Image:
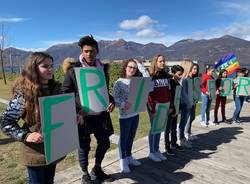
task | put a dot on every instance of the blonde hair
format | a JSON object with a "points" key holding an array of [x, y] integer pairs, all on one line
{"points": [[187, 64], [67, 64], [153, 67]]}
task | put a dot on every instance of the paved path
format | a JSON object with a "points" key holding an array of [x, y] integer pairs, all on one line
{"points": [[4, 101], [220, 156]]}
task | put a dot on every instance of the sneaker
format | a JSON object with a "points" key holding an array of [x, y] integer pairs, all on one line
{"points": [[191, 137], [203, 124], [152, 156], [86, 179], [124, 166], [194, 137], [210, 123], [177, 147], [97, 174], [224, 120], [186, 144], [160, 155], [187, 136], [236, 122], [133, 161], [169, 151]]}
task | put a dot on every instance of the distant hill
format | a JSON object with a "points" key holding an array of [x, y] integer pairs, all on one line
{"points": [[206, 51]]}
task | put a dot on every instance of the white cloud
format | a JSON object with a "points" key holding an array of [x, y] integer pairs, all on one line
{"points": [[237, 6], [29, 49], [149, 33], [13, 19], [140, 23], [241, 30]]}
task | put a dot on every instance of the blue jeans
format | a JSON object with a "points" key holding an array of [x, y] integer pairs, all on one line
{"points": [[128, 129], [239, 100], [153, 139], [190, 120], [205, 108], [185, 113], [41, 174]]}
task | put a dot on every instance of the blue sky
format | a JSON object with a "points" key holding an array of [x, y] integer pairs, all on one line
{"points": [[34, 24]]}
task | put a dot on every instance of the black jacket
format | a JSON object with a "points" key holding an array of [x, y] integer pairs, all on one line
{"points": [[70, 85]]}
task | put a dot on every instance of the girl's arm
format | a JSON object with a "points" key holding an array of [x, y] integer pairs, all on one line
{"points": [[118, 94], [9, 120]]}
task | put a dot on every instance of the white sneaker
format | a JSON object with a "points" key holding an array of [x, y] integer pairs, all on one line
{"points": [[188, 137], [203, 124], [210, 123], [152, 156], [186, 144], [160, 155], [124, 166], [132, 161]]}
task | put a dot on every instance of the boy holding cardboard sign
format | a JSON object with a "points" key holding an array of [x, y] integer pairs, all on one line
{"points": [[88, 83]]}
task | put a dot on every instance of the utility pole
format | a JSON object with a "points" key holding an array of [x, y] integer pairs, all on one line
{"points": [[1, 55]]}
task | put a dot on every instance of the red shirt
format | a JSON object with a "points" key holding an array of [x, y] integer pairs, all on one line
{"points": [[204, 83]]}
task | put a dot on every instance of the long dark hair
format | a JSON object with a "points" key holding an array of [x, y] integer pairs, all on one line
{"points": [[29, 85], [198, 69], [221, 72]]}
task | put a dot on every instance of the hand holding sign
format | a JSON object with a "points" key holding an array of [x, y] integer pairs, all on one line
{"points": [[34, 137]]}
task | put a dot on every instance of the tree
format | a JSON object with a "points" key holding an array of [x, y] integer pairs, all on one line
{"points": [[1, 54], [114, 73]]}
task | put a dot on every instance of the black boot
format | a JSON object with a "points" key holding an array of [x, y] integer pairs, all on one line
{"points": [[97, 175], [86, 179]]}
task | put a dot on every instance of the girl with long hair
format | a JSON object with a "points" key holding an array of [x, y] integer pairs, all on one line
{"points": [[36, 80], [128, 121], [161, 94], [220, 100]]}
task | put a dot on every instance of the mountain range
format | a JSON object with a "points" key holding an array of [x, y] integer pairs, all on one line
{"points": [[205, 51]]}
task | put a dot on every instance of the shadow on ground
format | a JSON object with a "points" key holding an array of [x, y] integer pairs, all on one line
{"points": [[167, 171]]}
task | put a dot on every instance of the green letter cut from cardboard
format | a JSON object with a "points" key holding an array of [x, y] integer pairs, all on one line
{"points": [[138, 93], [161, 118], [243, 88], [92, 89], [58, 119], [227, 85]]}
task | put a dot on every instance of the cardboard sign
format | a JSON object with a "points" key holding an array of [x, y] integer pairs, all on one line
{"points": [[197, 88], [227, 86], [138, 93], [177, 99], [190, 90], [59, 127], [92, 88], [212, 88], [161, 118], [243, 88]]}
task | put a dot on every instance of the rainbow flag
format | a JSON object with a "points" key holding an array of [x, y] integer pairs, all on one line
{"points": [[228, 62]]}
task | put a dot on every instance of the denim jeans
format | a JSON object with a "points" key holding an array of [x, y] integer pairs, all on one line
{"points": [[41, 174], [153, 139], [239, 100], [205, 108], [185, 113], [128, 129], [190, 120]]}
